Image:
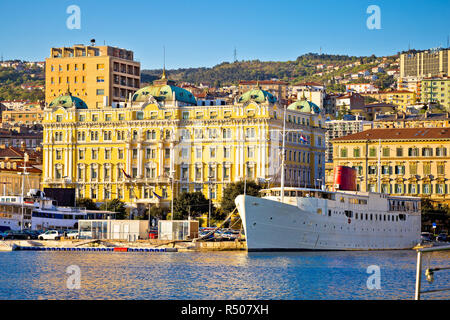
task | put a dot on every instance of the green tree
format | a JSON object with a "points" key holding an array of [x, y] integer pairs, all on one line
{"points": [[233, 190], [86, 203], [195, 202], [116, 206]]}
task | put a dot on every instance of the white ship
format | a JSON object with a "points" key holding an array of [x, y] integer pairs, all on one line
{"points": [[310, 219], [37, 212], [314, 219]]}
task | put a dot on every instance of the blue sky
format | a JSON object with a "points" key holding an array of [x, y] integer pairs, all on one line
{"points": [[205, 33]]}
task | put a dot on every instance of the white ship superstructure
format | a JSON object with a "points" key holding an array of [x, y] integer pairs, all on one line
{"points": [[310, 219]]}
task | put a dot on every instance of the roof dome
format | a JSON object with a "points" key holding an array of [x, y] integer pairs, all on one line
{"points": [[257, 95], [164, 92], [68, 101], [304, 106]]}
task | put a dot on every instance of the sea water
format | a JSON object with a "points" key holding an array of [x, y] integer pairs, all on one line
{"points": [[235, 275]]}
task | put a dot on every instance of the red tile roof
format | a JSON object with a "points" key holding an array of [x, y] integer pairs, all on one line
{"points": [[398, 134]]}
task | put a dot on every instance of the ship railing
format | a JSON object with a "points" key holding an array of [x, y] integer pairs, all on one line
{"points": [[429, 273]]}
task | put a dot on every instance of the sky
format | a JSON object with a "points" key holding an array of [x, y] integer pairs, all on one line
{"points": [[201, 33]]}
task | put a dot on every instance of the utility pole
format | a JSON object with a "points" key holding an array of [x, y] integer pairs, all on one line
{"points": [[25, 157], [209, 211]]}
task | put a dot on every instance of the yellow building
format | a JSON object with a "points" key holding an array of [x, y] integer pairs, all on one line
{"points": [[23, 117], [100, 75], [413, 161], [133, 153], [436, 90], [399, 98]]}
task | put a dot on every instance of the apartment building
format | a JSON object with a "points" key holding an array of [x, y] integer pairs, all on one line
{"points": [[100, 75], [399, 161]]}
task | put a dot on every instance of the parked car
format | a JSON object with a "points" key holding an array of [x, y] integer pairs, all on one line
{"points": [[4, 234], [71, 234], [426, 236], [50, 235], [16, 235], [442, 237], [34, 234]]}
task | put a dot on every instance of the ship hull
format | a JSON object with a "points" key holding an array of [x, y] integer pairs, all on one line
{"points": [[274, 226]]}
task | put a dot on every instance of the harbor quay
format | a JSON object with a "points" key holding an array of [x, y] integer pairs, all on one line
{"points": [[151, 245]]}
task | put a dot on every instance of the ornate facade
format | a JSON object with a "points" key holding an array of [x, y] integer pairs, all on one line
{"points": [[162, 138]]}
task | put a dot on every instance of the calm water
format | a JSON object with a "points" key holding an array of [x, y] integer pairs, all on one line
{"points": [[215, 275]]}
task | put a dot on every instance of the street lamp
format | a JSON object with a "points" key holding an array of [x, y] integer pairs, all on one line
{"points": [[320, 182], [209, 188]]}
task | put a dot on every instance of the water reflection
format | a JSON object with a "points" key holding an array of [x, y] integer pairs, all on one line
{"points": [[214, 275]]}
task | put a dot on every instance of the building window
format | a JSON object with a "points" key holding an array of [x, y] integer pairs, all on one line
{"points": [[413, 152], [198, 152], [93, 173], [386, 152], [399, 152], [427, 152], [107, 154], [440, 152], [212, 152], [94, 154], [100, 92], [167, 153], [226, 152], [399, 169], [343, 152], [226, 173], [356, 153]]}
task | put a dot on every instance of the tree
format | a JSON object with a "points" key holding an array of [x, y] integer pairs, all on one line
{"points": [[195, 202], [233, 190], [116, 206], [86, 203]]}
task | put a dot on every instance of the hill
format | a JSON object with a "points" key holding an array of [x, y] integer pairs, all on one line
{"points": [[12, 80], [304, 68]]}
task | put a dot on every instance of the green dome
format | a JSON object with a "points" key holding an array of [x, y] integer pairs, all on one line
{"points": [[67, 101], [164, 93], [304, 106], [257, 95]]}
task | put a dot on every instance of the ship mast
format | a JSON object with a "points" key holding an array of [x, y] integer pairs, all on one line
{"points": [[283, 151], [379, 166]]}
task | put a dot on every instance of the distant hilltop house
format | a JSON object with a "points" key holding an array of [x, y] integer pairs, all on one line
{"points": [[361, 87], [31, 87]]}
